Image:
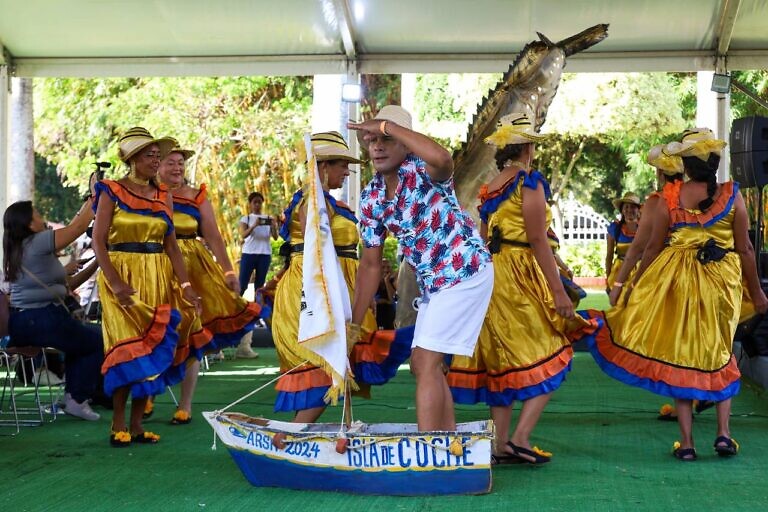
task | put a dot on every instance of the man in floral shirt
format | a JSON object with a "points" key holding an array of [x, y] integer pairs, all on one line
{"points": [[412, 197]]}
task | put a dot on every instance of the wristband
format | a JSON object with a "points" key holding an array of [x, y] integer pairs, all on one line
{"points": [[618, 284], [185, 284], [229, 273], [383, 127]]}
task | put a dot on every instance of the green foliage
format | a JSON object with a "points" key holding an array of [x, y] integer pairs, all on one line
{"points": [[445, 104], [243, 131], [585, 260], [741, 104], [54, 201]]}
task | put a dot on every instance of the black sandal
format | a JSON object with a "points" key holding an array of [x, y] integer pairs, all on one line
{"points": [[684, 454], [537, 456], [729, 449], [507, 458]]}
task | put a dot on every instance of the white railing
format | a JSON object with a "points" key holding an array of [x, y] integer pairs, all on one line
{"points": [[581, 224]]}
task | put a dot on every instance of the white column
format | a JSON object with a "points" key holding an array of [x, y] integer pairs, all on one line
{"points": [[4, 84], [3, 143], [330, 113], [713, 111], [408, 97]]}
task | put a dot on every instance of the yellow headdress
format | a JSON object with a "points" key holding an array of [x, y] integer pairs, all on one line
{"points": [[699, 142], [666, 163], [515, 128]]}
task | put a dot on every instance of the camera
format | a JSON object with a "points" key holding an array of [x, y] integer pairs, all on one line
{"points": [[264, 221]]}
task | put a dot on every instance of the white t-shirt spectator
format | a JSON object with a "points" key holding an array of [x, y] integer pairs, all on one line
{"points": [[257, 242]]}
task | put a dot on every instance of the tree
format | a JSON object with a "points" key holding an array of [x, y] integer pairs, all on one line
{"points": [[243, 130]]}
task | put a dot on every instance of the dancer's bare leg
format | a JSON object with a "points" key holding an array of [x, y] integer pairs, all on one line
{"points": [[502, 417], [685, 422], [188, 386], [434, 403]]}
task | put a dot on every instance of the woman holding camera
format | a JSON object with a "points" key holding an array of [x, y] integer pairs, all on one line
{"points": [[256, 229], [38, 286]]}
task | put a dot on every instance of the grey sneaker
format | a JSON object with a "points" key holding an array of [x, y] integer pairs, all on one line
{"points": [[246, 353], [81, 410]]}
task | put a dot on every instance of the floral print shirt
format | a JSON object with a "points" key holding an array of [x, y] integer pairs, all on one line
{"points": [[437, 237]]}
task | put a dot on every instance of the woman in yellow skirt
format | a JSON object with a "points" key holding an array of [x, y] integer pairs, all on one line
{"points": [[620, 236], [674, 335], [669, 170], [136, 249], [376, 357], [524, 349], [226, 317]]}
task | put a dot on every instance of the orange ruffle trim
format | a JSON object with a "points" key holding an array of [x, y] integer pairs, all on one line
{"points": [[677, 376], [302, 379], [197, 340], [513, 377], [679, 215], [202, 193], [140, 346], [236, 322], [136, 202], [375, 348]]}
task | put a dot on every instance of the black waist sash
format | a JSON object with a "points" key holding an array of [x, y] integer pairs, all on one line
{"points": [[342, 251], [141, 247], [494, 244], [710, 251], [179, 236]]}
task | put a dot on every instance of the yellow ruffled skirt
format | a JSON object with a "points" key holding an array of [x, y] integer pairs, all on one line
{"points": [[675, 333], [524, 348]]}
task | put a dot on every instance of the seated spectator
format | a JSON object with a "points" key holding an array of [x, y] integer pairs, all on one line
{"points": [[386, 296], [38, 288]]}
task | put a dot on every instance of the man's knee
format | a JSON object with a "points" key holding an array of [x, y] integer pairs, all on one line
{"points": [[426, 362]]}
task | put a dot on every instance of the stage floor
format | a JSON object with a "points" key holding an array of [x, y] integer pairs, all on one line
{"points": [[610, 453]]}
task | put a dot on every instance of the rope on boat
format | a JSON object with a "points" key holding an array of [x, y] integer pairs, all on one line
{"points": [[219, 411]]}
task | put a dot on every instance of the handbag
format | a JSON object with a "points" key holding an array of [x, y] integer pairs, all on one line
{"points": [[69, 303]]}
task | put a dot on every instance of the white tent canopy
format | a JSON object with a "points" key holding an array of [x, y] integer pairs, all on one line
{"points": [[304, 37]]}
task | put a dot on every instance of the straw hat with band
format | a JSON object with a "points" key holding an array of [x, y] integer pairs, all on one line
{"points": [[392, 113], [629, 197], [699, 142], [136, 139], [186, 153], [514, 128], [666, 163], [332, 146]]}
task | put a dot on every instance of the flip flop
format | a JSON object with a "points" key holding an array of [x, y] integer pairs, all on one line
{"points": [[120, 439], [181, 417], [145, 438]]}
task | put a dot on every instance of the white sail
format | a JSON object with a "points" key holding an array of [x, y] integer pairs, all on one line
{"points": [[325, 306]]}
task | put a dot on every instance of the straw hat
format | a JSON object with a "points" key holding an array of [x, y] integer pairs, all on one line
{"points": [[392, 113], [186, 153], [666, 163], [699, 142], [514, 128], [332, 146], [136, 139], [629, 197]]}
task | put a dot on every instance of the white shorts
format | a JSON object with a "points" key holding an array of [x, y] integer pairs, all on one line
{"points": [[449, 321]]}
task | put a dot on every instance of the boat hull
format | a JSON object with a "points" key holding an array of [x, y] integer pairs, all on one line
{"points": [[382, 459]]}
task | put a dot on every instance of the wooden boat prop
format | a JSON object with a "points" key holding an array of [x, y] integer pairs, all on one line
{"points": [[354, 457], [380, 458]]}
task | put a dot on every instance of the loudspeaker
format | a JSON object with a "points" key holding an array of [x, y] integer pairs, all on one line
{"points": [[749, 134], [750, 169]]}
